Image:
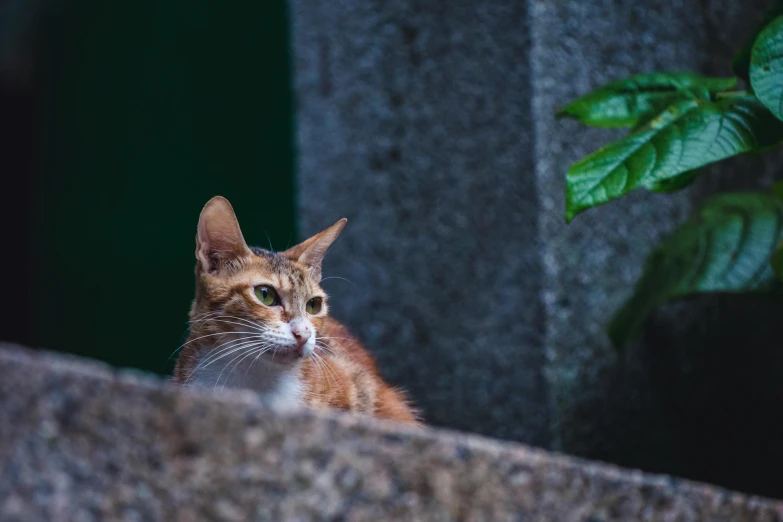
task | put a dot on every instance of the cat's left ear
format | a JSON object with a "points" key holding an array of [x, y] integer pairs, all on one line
{"points": [[311, 252]]}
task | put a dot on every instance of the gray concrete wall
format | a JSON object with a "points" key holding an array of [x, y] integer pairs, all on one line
{"points": [[414, 122], [590, 266], [706, 374], [80, 442], [430, 126]]}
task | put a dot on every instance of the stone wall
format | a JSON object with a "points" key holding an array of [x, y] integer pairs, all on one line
{"points": [[430, 126], [79, 441], [414, 122], [706, 376]]}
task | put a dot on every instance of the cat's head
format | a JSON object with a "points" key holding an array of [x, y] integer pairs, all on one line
{"points": [[270, 301]]}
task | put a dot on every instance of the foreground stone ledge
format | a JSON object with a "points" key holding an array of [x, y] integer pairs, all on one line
{"points": [[80, 441]]}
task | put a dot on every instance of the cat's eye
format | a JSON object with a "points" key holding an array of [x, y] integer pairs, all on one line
{"points": [[267, 295], [313, 306]]}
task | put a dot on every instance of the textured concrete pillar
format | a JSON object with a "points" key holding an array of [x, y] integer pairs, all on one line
{"points": [[706, 374], [414, 122], [430, 125], [591, 265]]}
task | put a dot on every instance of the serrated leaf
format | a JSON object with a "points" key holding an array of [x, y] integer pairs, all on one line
{"points": [[741, 62], [766, 67], [622, 103], [674, 184], [688, 135], [725, 247]]}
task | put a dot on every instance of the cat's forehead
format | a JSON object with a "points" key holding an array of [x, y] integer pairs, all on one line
{"points": [[282, 270]]}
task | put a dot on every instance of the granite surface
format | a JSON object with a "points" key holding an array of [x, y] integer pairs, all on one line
{"points": [[706, 374], [430, 125], [413, 121], [591, 264], [81, 442]]}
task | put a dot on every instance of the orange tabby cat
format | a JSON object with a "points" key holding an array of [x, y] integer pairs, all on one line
{"points": [[260, 321]]}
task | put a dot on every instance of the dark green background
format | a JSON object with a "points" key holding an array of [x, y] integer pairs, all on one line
{"points": [[150, 108]]}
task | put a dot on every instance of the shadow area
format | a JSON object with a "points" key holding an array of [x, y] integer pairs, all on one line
{"points": [[698, 397]]}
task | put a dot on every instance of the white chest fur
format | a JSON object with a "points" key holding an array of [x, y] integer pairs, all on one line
{"points": [[279, 386]]}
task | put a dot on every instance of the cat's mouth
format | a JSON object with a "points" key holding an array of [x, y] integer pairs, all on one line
{"points": [[285, 354]]}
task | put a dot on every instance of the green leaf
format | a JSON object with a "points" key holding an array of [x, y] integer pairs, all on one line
{"points": [[645, 119], [766, 67], [777, 189], [725, 247], [686, 136], [741, 62], [674, 184], [622, 103]]}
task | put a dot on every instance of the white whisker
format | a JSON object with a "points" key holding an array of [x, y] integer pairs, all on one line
{"points": [[340, 338], [250, 351], [328, 350], [204, 336], [329, 369], [269, 240], [338, 277], [223, 319], [318, 364], [230, 347]]}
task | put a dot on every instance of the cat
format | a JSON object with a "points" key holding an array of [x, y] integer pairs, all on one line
{"points": [[260, 321]]}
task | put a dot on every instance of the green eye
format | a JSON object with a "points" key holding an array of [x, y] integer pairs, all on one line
{"points": [[313, 306], [267, 295]]}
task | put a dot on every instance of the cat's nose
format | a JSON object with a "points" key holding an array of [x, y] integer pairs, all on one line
{"points": [[301, 330]]}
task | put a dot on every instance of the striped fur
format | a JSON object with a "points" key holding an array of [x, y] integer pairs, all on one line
{"points": [[236, 341]]}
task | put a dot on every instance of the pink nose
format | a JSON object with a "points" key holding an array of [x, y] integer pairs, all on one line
{"points": [[301, 331]]}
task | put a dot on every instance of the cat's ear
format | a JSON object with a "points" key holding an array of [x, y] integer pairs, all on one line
{"points": [[311, 251], [219, 241]]}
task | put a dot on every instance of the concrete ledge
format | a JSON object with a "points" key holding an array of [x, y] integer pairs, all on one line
{"points": [[79, 441]]}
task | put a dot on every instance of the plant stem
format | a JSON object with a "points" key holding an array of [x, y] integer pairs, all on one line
{"points": [[731, 94]]}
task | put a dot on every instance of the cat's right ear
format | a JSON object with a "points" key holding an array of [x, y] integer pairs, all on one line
{"points": [[219, 241]]}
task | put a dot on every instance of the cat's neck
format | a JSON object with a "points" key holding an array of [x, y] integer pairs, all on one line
{"points": [[278, 385]]}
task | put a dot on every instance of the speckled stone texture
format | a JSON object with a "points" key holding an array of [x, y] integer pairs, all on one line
{"points": [[414, 122], [79, 442], [430, 125], [695, 397]]}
